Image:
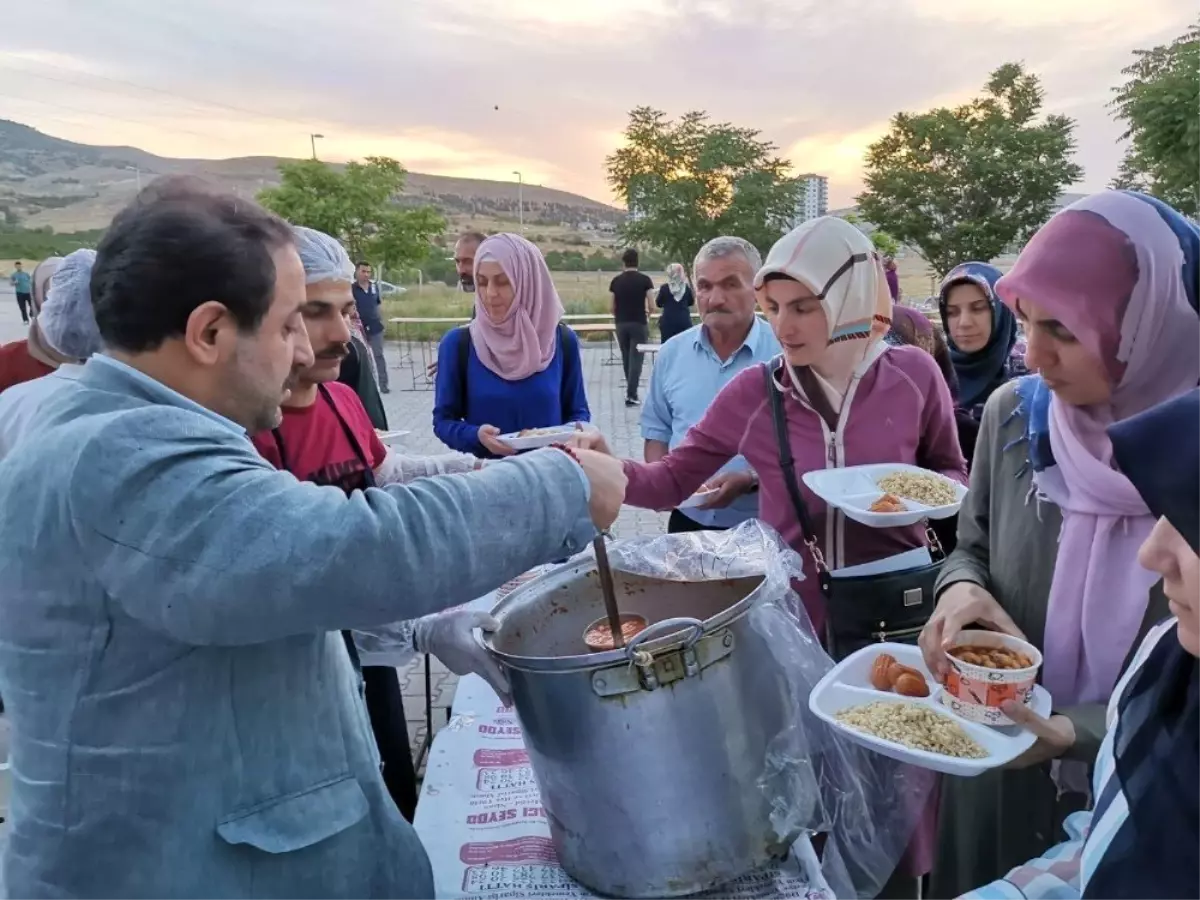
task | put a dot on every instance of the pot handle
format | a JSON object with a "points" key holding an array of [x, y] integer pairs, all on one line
{"points": [[665, 627]]}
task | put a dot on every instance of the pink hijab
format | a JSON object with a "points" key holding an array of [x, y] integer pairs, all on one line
{"points": [[524, 342], [1110, 268]]}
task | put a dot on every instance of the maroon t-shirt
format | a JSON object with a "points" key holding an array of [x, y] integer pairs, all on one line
{"points": [[17, 366], [315, 444]]}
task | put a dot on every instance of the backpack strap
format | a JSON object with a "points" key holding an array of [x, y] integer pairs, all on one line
{"points": [[564, 337], [464, 363]]}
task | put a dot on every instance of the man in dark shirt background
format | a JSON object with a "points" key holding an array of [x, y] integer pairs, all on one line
{"points": [[366, 298], [632, 299]]}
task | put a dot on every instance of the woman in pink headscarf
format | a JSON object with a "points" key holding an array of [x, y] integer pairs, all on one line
{"points": [[1049, 533], [516, 366]]}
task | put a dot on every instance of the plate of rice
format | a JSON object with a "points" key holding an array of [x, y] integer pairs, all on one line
{"points": [[534, 438], [391, 437], [887, 495], [913, 729]]}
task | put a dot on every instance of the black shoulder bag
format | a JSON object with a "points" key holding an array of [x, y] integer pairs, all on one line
{"points": [[862, 609]]}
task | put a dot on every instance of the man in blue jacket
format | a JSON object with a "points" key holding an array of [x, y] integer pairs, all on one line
{"points": [[366, 298], [186, 720]]}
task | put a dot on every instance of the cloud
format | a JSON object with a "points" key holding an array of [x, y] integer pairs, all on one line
{"points": [[543, 87]]}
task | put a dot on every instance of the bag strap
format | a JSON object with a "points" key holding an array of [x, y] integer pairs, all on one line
{"points": [[564, 333], [566, 361], [787, 463], [464, 363]]}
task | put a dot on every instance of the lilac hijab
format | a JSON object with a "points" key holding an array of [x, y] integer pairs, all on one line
{"points": [[1112, 270], [524, 342]]}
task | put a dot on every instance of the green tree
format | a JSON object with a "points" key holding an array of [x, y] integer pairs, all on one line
{"points": [[969, 182], [884, 242], [1160, 106], [358, 206], [687, 181]]}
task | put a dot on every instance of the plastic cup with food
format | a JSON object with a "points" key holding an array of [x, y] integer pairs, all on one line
{"points": [[988, 668]]}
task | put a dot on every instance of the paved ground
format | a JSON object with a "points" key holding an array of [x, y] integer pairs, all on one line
{"points": [[412, 410]]}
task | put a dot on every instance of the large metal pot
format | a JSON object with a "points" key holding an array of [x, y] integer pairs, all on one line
{"points": [[647, 758]]}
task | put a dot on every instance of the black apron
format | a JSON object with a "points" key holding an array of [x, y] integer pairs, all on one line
{"points": [[380, 684]]}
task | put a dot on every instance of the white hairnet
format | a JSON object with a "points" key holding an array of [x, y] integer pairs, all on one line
{"points": [[324, 258], [67, 320]]}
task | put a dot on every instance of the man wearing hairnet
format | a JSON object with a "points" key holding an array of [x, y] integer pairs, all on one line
{"points": [[66, 328], [326, 437]]}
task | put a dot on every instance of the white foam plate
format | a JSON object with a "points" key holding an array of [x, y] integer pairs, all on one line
{"points": [[391, 437], [697, 498], [849, 684], [854, 488], [543, 437]]}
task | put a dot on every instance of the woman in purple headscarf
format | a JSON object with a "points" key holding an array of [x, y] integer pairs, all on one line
{"points": [[516, 366], [1049, 533]]}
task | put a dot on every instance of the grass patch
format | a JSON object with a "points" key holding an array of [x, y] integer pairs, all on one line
{"points": [[582, 293]]}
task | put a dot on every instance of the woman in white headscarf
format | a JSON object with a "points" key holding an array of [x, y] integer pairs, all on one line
{"points": [[675, 299], [848, 398], [65, 332], [42, 273]]}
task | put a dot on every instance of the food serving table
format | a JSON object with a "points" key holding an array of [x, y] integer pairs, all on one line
{"points": [[481, 819]]}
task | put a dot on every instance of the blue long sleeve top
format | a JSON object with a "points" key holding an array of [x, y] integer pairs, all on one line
{"points": [[554, 396]]}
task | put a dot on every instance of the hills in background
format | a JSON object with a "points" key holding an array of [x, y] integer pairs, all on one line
{"points": [[46, 181], [49, 182]]}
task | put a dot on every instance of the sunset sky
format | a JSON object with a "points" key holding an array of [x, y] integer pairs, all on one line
{"points": [[420, 80]]}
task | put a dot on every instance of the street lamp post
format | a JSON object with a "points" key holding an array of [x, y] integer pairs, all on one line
{"points": [[313, 140], [520, 200]]}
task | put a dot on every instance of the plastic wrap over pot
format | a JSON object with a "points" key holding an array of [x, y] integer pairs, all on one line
{"points": [[866, 806]]}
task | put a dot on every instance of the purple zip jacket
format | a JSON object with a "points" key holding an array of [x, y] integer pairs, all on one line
{"points": [[897, 410]]}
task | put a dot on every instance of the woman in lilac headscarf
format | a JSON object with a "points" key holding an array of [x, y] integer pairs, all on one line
{"points": [[1049, 533], [516, 366]]}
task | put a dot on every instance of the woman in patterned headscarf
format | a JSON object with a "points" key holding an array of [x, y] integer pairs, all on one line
{"points": [[675, 299], [1049, 533], [32, 357]]}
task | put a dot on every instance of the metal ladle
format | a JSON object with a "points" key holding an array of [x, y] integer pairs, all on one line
{"points": [[604, 570]]}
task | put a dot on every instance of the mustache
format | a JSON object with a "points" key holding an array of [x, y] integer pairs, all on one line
{"points": [[334, 351]]}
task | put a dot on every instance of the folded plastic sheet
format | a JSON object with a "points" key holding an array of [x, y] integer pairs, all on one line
{"points": [[864, 807]]}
